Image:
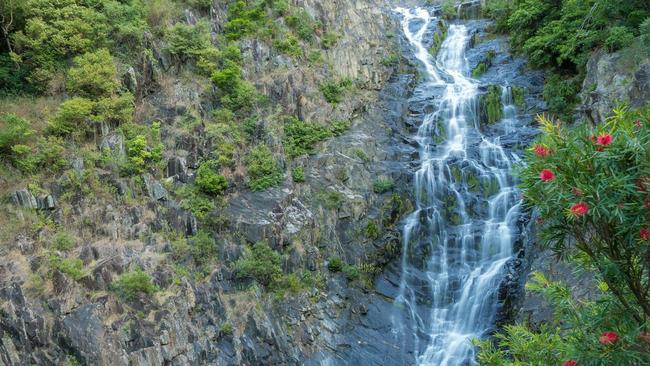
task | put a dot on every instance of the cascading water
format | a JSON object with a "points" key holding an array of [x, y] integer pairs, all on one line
{"points": [[459, 237]]}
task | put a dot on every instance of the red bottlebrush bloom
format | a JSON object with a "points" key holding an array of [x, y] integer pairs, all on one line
{"points": [[579, 209], [644, 233], [546, 175], [576, 192], [608, 338], [604, 139], [541, 151], [570, 362], [644, 337], [539, 221], [638, 123], [646, 204]]}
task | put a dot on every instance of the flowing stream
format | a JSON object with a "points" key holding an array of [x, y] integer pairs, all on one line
{"points": [[461, 234]]}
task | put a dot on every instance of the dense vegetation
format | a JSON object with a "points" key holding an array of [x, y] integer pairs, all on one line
{"points": [[590, 186], [560, 34]]}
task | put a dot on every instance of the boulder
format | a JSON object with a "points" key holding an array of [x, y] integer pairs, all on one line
{"points": [[24, 198]]}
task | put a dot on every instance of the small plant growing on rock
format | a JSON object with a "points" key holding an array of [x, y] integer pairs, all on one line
{"points": [[383, 185], [371, 230], [260, 263], [263, 169], [208, 181], [298, 175], [134, 283], [334, 90], [335, 264]]}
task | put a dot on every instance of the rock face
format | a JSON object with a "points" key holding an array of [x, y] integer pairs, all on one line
{"points": [[613, 78]]}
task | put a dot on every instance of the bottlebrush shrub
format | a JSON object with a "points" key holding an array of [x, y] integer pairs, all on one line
{"points": [[597, 332], [597, 205]]}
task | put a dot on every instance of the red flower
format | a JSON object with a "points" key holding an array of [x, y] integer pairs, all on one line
{"points": [[644, 337], [539, 221], [541, 151], [570, 362], [608, 338], [638, 123], [644, 233], [577, 191], [579, 209], [604, 139], [546, 175]]}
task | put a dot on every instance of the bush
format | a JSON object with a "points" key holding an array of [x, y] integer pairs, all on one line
{"points": [[260, 263], [335, 264], [13, 131], [590, 186], [134, 283], [302, 23], [644, 32], [47, 155], [618, 38], [352, 273], [449, 9], [371, 230], [491, 105], [228, 78], [334, 90], [288, 44], [561, 95], [383, 185], [298, 175], [72, 267], [188, 42], [74, 116], [144, 150], [203, 248], [263, 170], [63, 241], [209, 181], [301, 136], [339, 127], [330, 199], [329, 40], [93, 75]]}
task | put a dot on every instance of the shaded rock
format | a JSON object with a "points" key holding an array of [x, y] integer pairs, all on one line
{"points": [[177, 169], [114, 143], [24, 198], [46, 202], [153, 188]]}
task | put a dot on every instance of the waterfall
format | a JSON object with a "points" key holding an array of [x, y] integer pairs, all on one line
{"points": [[459, 237]]}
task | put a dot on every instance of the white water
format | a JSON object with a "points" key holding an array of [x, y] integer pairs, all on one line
{"points": [[459, 237]]}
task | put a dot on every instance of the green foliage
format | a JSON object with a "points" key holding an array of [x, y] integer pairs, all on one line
{"points": [[438, 38], [207, 179], [13, 131], [228, 78], [134, 283], [93, 75], [288, 44], [561, 95], [339, 127], [46, 155], [260, 263], [491, 105], [263, 170], [329, 40], [619, 37], [518, 96], [298, 175], [383, 185], [449, 9], [74, 116], [610, 182], [187, 41], [302, 23], [334, 90], [560, 34], [352, 273], [335, 264], [644, 32], [301, 136], [245, 19], [391, 60], [63, 241], [72, 267], [144, 149], [371, 230], [203, 248], [574, 335]]}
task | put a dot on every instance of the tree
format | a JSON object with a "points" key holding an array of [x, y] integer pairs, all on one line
{"points": [[93, 75]]}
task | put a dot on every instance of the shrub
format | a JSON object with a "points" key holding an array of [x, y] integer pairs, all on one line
{"points": [[72, 267], [329, 40], [339, 127], [644, 32], [618, 38], [188, 42], [74, 115], [302, 23], [144, 150], [203, 248], [449, 9], [335, 264], [47, 155], [63, 241], [242, 98], [209, 181], [281, 7], [289, 45], [594, 206], [560, 95], [93, 75], [301, 136], [260, 263], [262, 169], [383, 185], [298, 175], [134, 283], [228, 78], [371, 230], [352, 273], [13, 131], [334, 90]]}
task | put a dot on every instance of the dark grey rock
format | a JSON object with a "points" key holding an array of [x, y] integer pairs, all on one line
{"points": [[24, 198]]}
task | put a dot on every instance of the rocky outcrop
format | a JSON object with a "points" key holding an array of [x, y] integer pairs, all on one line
{"points": [[614, 78]]}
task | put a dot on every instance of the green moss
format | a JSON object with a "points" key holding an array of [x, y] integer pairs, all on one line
{"points": [[491, 105]]}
